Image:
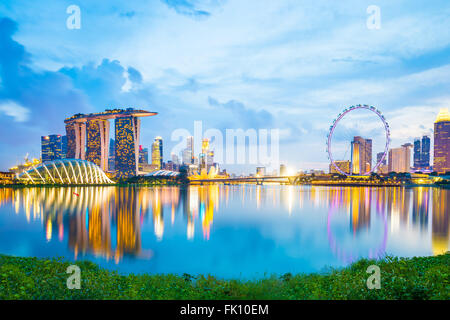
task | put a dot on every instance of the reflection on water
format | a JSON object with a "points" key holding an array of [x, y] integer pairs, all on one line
{"points": [[256, 228]]}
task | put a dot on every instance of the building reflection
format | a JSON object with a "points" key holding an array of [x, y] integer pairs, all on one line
{"points": [[107, 221]]}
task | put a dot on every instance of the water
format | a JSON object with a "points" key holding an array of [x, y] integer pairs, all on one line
{"points": [[242, 231]]}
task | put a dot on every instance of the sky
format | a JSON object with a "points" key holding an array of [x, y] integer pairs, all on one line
{"points": [[291, 66]]}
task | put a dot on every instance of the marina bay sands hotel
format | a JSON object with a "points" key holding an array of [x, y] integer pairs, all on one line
{"points": [[88, 138]]}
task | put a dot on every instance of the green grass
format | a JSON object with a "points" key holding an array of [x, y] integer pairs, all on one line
{"points": [[415, 278]]}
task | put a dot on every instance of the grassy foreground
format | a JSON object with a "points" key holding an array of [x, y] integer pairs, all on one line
{"points": [[415, 278]]}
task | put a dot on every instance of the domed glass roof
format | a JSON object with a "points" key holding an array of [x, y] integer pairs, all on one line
{"points": [[66, 171]]}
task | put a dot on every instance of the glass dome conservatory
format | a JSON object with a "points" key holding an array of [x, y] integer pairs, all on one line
{"points": [[66, 171]]}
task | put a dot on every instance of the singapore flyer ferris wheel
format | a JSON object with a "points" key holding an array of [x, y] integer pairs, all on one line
{"points": [[333, 127]]}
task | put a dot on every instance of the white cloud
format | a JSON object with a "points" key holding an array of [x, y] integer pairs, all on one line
{"points": [[12, 109]]}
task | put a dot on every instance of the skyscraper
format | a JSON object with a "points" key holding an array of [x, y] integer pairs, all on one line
{"points": [[97, 143], [425, 152], [417, 154], [143, 155], [400, 159], [422, 153], [127, 146], [188, 152], [157, 153], [380, 156], [361, 155], [112, 155], [63, 146], [51, 147], [442, 142], [76, 139]]}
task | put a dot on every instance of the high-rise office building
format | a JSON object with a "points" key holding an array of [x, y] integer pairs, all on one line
{"points": [[97, 142], [422, 153], [188, 152], [175, 159], [417, 154], [210, 159], [442, 142], [425, 152], [143, 155], [157, 153], [51, 147], [63, 147], [361, 155], [190, 147], [400, 159]]}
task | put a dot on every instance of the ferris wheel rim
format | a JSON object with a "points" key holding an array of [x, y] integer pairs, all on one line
{"points": [[339, 118]]}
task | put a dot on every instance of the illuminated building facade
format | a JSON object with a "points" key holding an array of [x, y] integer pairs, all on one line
{"points": [[422, 153], [76, 139], [63, 147], [66, 171], [127, 146], [283, 170], [51, 147], [442, 142], [417, 154], [88, 138], [343, 165], [361, 155], [400, 158], [97, 143], [157, 153]]}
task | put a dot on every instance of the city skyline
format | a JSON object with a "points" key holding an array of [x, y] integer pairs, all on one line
{"points": [[299, 92]]}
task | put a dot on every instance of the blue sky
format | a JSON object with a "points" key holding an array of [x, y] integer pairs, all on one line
{"points": [[291, 65]]}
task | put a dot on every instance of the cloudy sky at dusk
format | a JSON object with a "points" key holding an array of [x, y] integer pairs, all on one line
{"points": [[254, 64]]}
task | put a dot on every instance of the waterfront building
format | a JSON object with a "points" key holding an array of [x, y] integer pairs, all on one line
{"points": [[260, 171], [202, 161], [112, 156], [442, 142], [400, 159], [63, 147], [344, 165], [157, 153], [425, 152], [283, 170], [380, 156], [361, 161], [88, 138], [175, 159], [66, 171], [210, 159], [143, 155], [417, 154], [97, 142], [190, 148], [422, 153], [51, 147], [127, 146], [76, 140]]}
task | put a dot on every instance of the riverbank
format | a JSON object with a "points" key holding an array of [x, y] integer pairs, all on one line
{"points": [[415, 278]]}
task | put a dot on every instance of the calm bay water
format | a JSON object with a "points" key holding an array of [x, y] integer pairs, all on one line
{"points": [[241, 231]]}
